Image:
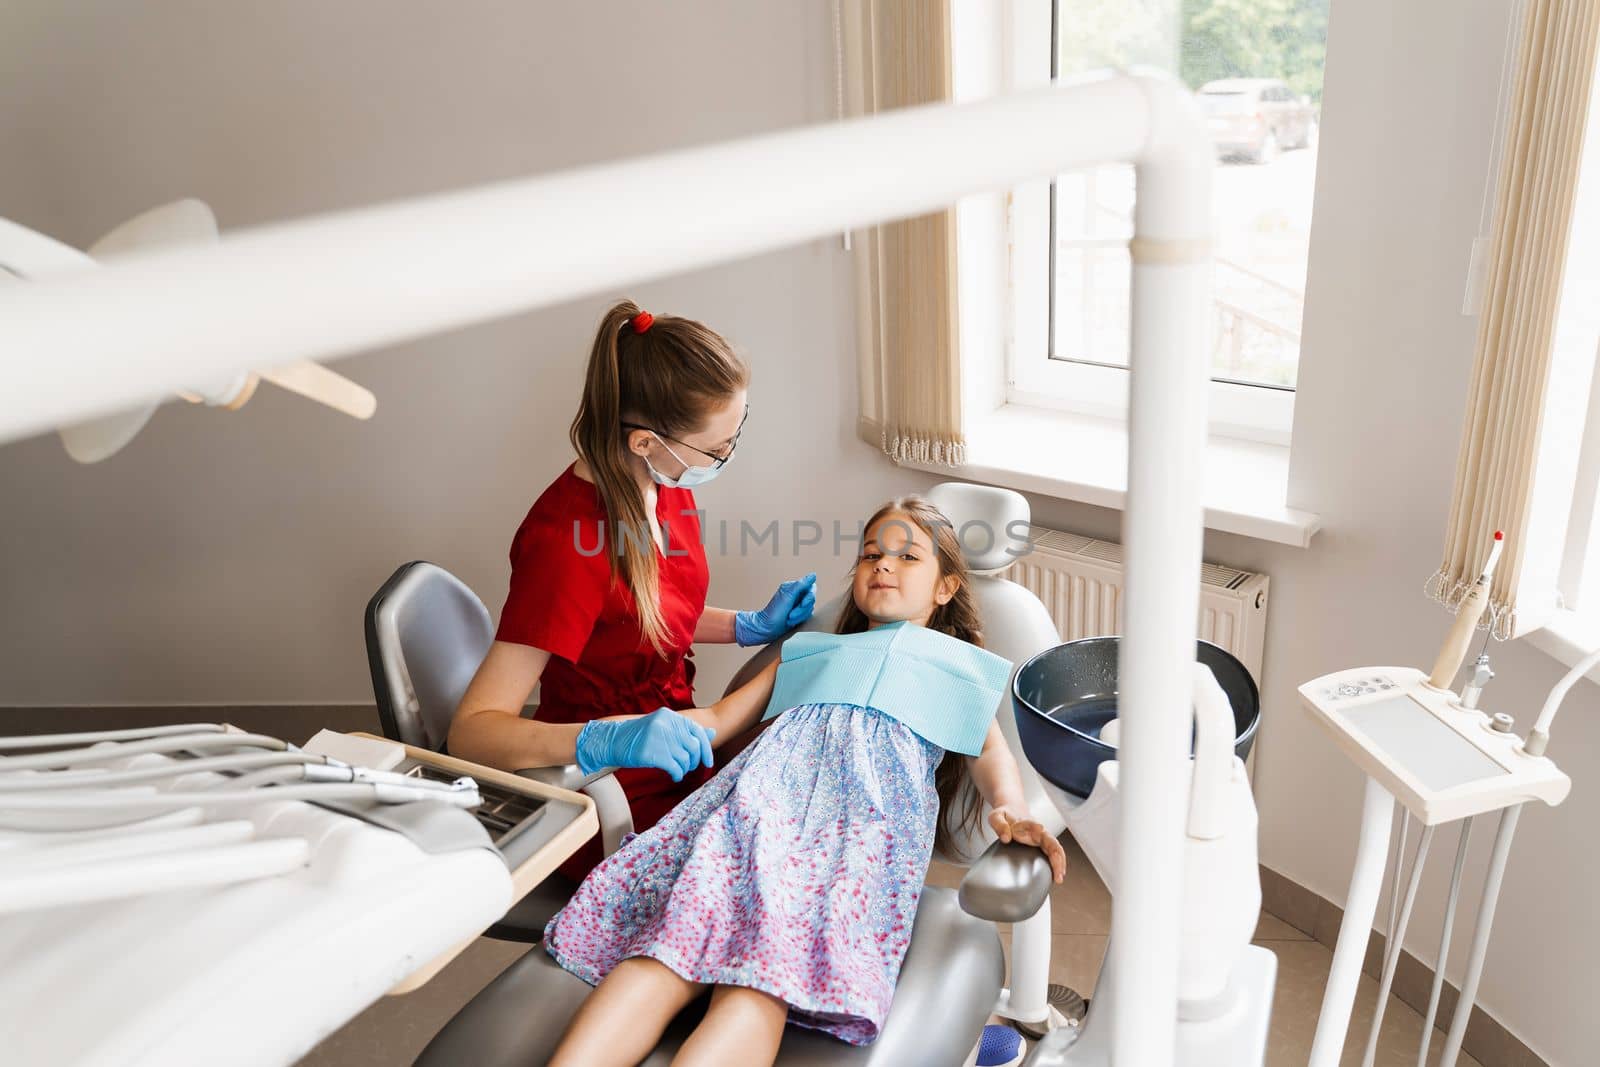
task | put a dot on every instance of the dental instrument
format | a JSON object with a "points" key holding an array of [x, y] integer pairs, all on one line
{"points": [[463, 793], [1444, 760], [102, 752], [134, 733], [1481, 676], [1467, 615], [93, 776]]}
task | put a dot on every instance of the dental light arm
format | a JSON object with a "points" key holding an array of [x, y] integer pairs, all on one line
{"points": [[26, 255]]}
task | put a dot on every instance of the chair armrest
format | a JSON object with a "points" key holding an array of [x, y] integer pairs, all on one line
{"points": [[610, 802], [567, 776], [1007, 884]]}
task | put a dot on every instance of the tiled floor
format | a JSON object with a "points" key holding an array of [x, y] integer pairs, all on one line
{"points": [[395, 1030]]}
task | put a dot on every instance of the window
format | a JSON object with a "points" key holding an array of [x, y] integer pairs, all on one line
{"points": [[1256, 68]]}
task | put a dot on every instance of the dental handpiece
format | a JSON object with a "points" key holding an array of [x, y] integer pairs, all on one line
{"points": [[1482, 674], [1467, 616]]}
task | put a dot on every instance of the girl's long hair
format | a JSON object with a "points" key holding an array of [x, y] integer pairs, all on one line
{"points": [[959, 809], [670, 378]]}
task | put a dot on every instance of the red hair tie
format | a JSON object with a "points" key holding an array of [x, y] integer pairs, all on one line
{"points": [[641, 322]]}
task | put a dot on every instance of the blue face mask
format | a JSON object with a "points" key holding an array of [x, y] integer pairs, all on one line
{"points": [[691, 476]]}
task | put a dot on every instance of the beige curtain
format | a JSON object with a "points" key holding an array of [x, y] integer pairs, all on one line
{"points": [[1501, 443], [896, 53]]}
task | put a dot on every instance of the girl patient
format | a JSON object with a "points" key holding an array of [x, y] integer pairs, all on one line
{"points": [[788, 883]]}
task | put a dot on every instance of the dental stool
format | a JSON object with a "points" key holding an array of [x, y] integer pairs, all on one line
{"points": [[426, 635], [954, 973]]}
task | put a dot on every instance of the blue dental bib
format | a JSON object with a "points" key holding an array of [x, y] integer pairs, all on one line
{"points": [[941, 687]]}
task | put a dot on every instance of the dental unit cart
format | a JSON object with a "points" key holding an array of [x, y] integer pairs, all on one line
{"points": [[1445, 762], [162, 939]]}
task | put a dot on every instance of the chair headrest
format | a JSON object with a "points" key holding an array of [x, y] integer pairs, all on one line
{"points": [[991, 523]]}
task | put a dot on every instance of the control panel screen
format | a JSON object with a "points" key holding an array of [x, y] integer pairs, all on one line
{"points": [[1430, 750]]}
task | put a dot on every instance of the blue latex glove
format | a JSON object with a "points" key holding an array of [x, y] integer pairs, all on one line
{"points": [[789, 607], [663, 739]]}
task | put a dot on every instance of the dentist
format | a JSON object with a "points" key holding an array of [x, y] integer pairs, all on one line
{"points": [[609, 577]]}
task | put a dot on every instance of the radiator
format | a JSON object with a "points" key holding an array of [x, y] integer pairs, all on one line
{"points": [[1079, 579]]}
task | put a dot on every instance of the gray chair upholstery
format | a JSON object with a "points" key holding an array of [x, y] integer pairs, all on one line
{"points": [[953, 971], [426, 635]]}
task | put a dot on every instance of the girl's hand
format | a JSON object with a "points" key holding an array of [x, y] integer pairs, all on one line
{"points": [[1012, 825]]}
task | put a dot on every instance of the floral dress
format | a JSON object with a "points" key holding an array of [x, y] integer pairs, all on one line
{"points": [[795, 871]]}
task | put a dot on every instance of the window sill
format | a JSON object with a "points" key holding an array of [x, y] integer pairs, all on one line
{"points": [[1246, 482], [1569, 638]]}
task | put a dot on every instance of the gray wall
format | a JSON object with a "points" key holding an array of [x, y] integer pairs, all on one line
{"points": [[226, 558]]}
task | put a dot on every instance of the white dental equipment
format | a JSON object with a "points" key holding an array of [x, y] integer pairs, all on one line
{"points": [[102, 341], [1225, 982], [25, 254], [1444, 761], [38, 804], [389, 888]]}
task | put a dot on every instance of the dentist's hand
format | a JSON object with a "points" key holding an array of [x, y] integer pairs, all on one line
{"points": [[662, 739], [790, 606]]}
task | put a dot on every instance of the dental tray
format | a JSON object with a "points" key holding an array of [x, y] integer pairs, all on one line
{"points": [[508, 816], [534, 825], [1441, 760]]}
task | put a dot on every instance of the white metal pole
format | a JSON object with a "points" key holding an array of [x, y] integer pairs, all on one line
{"points": [[1396, 942], [1027, 998], [110, 338], [1444, 942], [1361, 904], [1162, 530], [1480, 935]]}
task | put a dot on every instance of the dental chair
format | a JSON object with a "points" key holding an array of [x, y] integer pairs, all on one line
{"points": [[426, 635], [954, 973]]}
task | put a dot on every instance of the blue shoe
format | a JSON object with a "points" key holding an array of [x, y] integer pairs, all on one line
{"points": [[1000, 1046]]}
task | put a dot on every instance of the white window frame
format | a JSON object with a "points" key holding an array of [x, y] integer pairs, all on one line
{"points": [[1033, 379], [1578, 581], [1566, 507]]}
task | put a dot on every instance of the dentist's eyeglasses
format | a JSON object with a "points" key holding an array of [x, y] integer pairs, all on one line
{"points": [[717, 460]]}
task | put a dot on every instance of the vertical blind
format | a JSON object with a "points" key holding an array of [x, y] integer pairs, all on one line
{"points": [[1498, 464], [909, 363]]}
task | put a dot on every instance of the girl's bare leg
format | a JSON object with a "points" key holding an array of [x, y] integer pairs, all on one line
{"points": [[741, 1026], [623, 1019]]}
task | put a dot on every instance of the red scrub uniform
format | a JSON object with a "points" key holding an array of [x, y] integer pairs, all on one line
{"points": [[564, 600]]}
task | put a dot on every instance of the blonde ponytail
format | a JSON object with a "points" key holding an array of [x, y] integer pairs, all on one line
{"points": [[670, 377]]}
